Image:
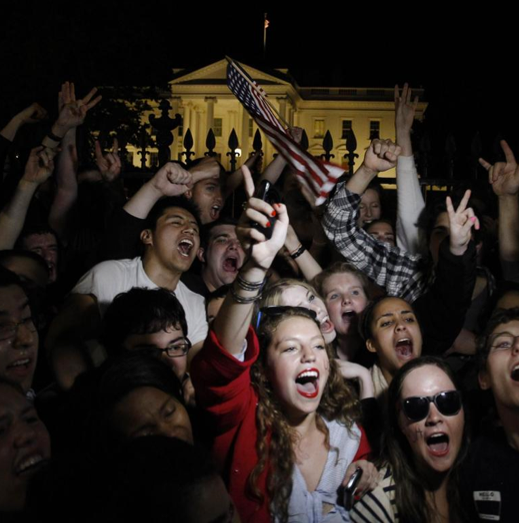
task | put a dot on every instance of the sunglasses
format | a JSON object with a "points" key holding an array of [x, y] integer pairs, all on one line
{"points": [[272, 312], [448, 403]]}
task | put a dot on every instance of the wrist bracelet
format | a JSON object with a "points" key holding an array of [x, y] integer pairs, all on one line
{"points": [[249, 285], [53, 137], [300, 250], [242, 299]]}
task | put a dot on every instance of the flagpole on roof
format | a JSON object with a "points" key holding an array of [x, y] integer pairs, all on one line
{"points": [[255, 86], [265, 25]]}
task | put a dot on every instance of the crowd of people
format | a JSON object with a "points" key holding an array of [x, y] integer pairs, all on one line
{"points": [[354, 361]]}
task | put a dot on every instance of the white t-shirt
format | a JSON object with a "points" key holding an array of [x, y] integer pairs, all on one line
{"points": [[108, 279]]}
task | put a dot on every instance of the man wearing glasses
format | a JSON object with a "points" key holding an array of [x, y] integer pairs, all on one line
{"points": [[151, 321], [18, 334]]}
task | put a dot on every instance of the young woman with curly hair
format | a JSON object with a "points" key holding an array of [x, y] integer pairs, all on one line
{"points": [[286, 438]]}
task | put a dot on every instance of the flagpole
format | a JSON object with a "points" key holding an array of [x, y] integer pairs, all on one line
{"points": [[255, 87], [265, 24]]}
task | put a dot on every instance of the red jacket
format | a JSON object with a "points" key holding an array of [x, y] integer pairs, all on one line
{"points": [[223, 388]]}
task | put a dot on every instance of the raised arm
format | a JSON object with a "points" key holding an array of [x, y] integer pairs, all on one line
{"points": [[37, 170], [233, 319], [409, 194], [170, 180], [32, 114], [380, 156], [504, 178], [390, 267], [305, 261], [71, 115]]}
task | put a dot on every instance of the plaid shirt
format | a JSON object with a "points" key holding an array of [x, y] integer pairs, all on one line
{"points": [[400, 273]]}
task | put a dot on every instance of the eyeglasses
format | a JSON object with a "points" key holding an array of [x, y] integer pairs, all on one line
{"points": [[448, 403], [502, 341], [176, 350], [9, 329], [280, 310]]}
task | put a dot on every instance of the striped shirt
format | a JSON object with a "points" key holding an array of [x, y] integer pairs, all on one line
{"points": [[377, 506]]}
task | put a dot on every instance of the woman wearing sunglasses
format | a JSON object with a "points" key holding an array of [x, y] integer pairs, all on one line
{"points": [[423, 445], [286, 437]]}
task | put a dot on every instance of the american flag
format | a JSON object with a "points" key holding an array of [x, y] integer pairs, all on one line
{"points": [[318, 177]]}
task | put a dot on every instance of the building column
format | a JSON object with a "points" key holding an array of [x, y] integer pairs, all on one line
{"points": [[245, 141], [210, 101], [175, 102], [198, 132], [282, 100]]}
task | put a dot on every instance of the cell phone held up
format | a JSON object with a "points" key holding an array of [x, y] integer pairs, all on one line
{"points": [[266, 192]]}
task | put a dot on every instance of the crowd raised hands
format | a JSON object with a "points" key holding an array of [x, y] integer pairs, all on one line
{"points": [[317, 334]]}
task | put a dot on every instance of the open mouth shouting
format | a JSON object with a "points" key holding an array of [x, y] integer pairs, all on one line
{"points": [[230, 263], [438, 444], [307, 383], [348, 316], [514, 374], [185, 246], [404, 349], [215, 212], [326, 325]]}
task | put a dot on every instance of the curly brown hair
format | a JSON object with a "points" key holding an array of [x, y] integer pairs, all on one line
{"points": [[338, 402]]}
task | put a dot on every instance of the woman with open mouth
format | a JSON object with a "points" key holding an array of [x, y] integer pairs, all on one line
{"points": [[392, 332], [296, 293], [286, 436], [423, 445]]}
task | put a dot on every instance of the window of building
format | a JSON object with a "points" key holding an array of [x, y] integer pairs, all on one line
{"points": [[319, 128], [154, 159], [346, 128], [374, 129], [251, 128], [217, 126]]}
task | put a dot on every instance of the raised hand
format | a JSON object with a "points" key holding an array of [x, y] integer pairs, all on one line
{"points": [[404, 108], [205, 169], [503, 176], [109, 164], [39, 166], [262, 251], [461, 222], [172, 180], [381, 155], [32, 114], [72, 112]]}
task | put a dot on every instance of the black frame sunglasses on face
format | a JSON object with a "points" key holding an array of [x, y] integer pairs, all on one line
{"points": [[448, 403]]}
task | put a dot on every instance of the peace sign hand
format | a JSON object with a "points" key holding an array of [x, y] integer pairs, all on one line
{"points": [[461, 222]]}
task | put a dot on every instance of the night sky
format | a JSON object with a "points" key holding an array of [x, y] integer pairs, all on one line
{"points": [[466, 63]]}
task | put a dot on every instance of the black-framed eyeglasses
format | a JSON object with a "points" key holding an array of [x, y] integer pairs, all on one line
{"points": [[416, 408], [175, 350], [8, 330], [502, 341], [279, 310]]}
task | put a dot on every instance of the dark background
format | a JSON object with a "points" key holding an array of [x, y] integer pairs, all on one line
{"points": [[466, 61]]}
